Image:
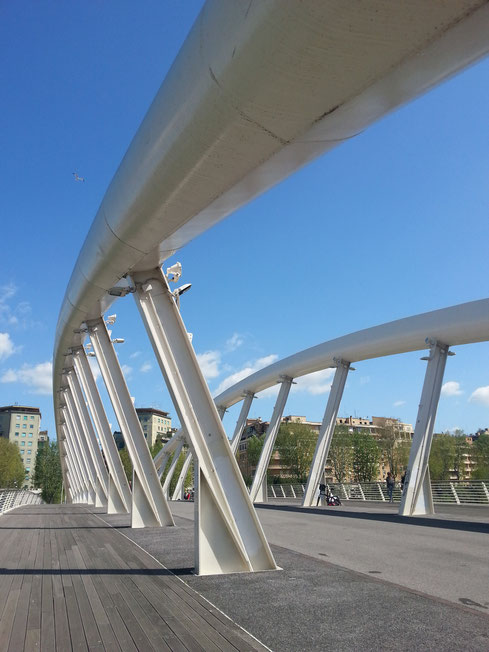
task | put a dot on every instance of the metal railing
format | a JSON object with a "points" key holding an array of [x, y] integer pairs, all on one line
{"points": [[460, 492], [11, 498]]}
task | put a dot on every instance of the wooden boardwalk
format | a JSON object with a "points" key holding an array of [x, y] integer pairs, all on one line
{"points": [[69, 581]]}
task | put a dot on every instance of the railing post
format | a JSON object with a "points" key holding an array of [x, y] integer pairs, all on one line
{"points": [[486, 491], [417, 497], [457, 499], [326, 432], [98, 465], [149, 506], [119, 499], [229, 537], [258, 492], [361, 491], [381, 492]]}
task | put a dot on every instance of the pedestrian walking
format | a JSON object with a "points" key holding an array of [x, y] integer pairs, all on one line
{"points": [[390, 482], [322, 493]]}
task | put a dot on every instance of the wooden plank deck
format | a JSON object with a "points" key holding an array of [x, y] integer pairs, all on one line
{"points": [[68, 581]]}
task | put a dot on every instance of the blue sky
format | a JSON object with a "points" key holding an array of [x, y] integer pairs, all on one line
{"points": [[390, 224]]}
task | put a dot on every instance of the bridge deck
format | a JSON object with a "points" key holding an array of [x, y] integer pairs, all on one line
{"points": [[69, 581]]}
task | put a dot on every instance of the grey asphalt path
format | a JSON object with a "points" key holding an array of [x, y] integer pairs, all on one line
{"points": [[327, 597]]}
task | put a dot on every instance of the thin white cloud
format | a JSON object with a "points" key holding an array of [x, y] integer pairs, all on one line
{"points": [[319, 382], [126, 370], [18, 315], [209, 364], [39, 377], [135, 354], [246, 371], [234, 342], [480, 395], [364, 380], [145, 367], [451, 388], [399, 403], [6, 346]]}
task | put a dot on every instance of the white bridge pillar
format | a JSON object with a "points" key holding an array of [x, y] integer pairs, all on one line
{"points": [[241, 422], [119, 499], [173, 466], [98, 464], [149, 506], [76, 490], [326, 433], [417, 498], [228, 535], [85, 453], [88, 491], [180, 486], [258, 491]]}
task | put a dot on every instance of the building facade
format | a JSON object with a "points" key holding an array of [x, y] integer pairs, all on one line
{"points": [[20, 424], [156, 425]]}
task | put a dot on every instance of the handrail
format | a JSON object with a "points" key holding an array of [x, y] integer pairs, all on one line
{"points": [[455, 492], [12, 498]]}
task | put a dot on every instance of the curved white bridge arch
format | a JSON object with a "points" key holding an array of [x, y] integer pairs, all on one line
{"points": [[256, 91]]}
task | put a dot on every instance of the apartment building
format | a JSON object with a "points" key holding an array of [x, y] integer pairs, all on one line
{"points": [[156, 424], [20, 424]]}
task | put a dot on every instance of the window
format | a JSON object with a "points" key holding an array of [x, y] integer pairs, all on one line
{"points": [[16, 434], [27, 468], [23, 434], [31, 426], [28, 460], [17, 416], [22, 452], [22, 443], [32, 417], [24, 425], [29, 444], [30, 434], [25, 418]]}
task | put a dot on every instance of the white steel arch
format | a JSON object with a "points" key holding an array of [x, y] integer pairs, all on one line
{"points": [[256, 91]]}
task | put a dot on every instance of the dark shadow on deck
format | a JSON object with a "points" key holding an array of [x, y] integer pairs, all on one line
{"points": [[420, 521], [145, 572]]}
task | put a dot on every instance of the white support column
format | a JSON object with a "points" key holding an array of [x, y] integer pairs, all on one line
{"points": [[85, 490], [149, 506], [64, 470], [74, 483], [180, 486], [119, 492], [228, 536], [417, 498], [258, 491], [241, 422], [98, 464], [326, 433], [77, 456], [173, 466], [82, 439]]}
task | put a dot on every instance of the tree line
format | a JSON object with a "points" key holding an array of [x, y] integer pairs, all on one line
{"points": [[357, 456]]}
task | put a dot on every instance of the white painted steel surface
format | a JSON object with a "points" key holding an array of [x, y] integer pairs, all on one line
{"points": [[257, 90], [462, 324], [417, 498]]}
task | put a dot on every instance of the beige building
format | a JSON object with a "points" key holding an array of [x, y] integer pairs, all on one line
{"points": [[156, 425], [21, 425]]}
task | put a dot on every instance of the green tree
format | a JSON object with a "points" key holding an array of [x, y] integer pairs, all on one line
{"points": [[394, 450], [461, 450], [480, 454], [340, 455], [12, 472], [366, 456], [295, 444], [189, 478], [254, 449], [47, 473], [126, 463], [442, 457]]}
